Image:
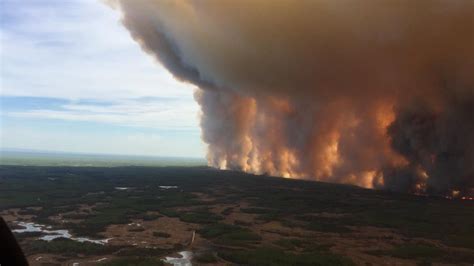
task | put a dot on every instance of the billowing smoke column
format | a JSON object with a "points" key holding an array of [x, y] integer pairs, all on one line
{"points": [[373, 93]]}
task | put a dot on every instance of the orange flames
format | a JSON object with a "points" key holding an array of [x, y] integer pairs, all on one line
{"points": [[265, 148]]}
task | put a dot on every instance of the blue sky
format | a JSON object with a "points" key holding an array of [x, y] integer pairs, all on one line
{"points": [[73, 80]]}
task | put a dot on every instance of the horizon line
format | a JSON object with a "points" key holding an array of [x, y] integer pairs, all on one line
{"points": [[23, 150]]}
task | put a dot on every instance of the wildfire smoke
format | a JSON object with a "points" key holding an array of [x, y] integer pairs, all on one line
{"points": [[373, 93]]}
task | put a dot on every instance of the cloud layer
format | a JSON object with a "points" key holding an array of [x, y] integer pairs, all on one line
{"points": [[75, 49], [72, 79]]}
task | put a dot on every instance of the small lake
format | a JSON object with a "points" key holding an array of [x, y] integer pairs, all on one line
{"points": [[185, 259], [50, 234]]}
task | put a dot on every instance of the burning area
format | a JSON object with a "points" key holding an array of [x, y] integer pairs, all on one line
{"points": [[378, 94]]}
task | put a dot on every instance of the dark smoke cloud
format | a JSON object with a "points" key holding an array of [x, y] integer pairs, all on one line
{"points": [[373, 93], [439, 141]]}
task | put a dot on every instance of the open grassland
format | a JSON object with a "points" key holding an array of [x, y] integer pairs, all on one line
{"points": [[152, 212]]}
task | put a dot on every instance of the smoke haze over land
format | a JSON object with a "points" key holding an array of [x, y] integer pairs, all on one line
{"points": [[372, 93]]}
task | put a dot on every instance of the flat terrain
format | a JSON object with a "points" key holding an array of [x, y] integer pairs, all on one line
{"points": [[39, 158], [144, 214]]}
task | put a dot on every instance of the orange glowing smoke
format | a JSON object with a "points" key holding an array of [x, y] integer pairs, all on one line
{"points": [[372, 93]]}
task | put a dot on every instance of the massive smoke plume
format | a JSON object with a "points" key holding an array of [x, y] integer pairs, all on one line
{"points": [[369, 92]]}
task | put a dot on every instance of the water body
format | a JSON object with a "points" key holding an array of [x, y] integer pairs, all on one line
{"points": [[53, 234], [123, 188], [168, 187], [185, 259]]}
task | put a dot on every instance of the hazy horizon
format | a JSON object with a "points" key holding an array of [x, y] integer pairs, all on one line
{"points": [[23, 157], [21, 150]]}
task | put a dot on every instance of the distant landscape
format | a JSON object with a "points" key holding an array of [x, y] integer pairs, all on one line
{"points": [[143, 215], [48, 158]]}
